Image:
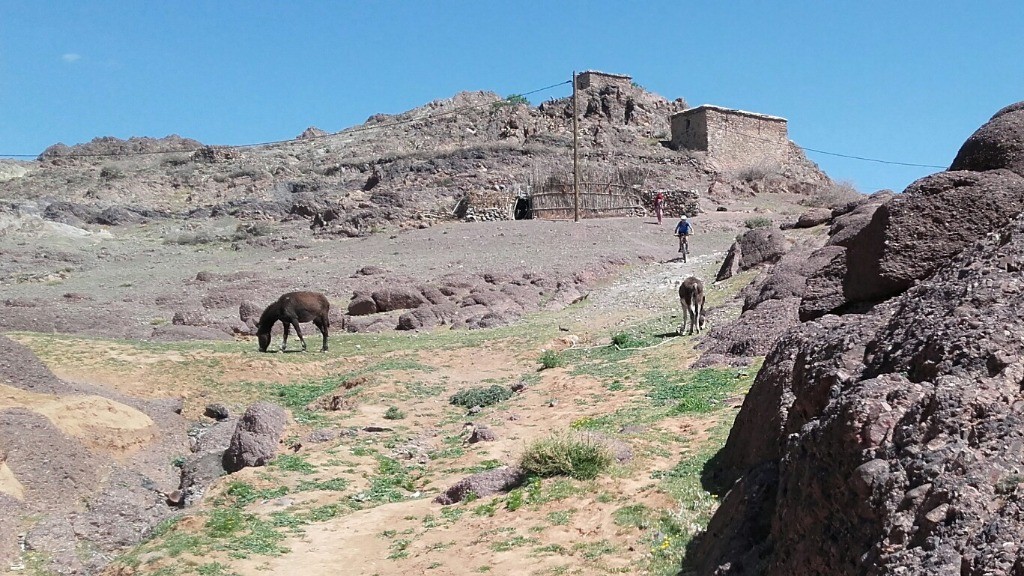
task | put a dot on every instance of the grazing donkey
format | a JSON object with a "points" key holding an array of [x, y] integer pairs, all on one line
{"points": [[290, 309], [691, 295]]}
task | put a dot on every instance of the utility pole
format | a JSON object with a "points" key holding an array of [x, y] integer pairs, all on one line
{"points": [[575, 154]]}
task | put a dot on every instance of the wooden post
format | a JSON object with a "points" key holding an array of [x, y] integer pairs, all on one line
{"points": [[575, 154]]}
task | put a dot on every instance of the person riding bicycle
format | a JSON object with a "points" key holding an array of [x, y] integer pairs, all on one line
{"points": [[683, 229]]}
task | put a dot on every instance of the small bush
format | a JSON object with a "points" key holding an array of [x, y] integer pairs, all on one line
{"points": [[550, 359], [755, 173], [252, 230], [481, 396], [626, 340], [578, 457], [393, 413], [517, 99], [758, 222], [834, 196], [111, 173]]}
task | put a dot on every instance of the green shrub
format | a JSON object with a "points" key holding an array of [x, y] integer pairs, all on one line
{"points": [[551, 359], [393, 413], [111, 173], [758, 222], [626, 340], [579, 457], [517, 99], [481, 396]]}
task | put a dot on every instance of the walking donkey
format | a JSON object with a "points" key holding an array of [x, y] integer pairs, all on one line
{"points": [[290, 309], [691, 295]]}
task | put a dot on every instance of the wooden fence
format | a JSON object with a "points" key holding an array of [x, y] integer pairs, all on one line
{"points": [[597, 199]]}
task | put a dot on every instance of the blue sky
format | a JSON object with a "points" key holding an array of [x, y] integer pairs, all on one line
{"points": [[904, 81]]}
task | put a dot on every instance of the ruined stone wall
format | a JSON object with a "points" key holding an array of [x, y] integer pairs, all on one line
{"points": [[592, 78], [733, 138], [489, 205]]}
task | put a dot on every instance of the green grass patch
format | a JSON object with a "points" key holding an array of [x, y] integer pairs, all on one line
{"points": [[213, 569], [695, 392], [243, 534], [540, 491], [595, 550], [513, 543], [332, 485], [391, 484], [293, 463], [560, 517], [673, 393], [758, 222], [244, 493], [399, 549]]}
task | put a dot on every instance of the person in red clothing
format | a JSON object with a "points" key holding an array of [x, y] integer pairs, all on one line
{"points": [[659, 206]]}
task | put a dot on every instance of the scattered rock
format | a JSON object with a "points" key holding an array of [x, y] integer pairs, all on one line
{"points": [[484, 484], [482, 433], [217, 411], [257, 436]]}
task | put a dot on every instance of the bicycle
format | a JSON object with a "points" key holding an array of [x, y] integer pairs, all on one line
{"points": [[684, 245]]}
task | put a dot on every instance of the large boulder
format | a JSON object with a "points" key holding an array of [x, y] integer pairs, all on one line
{"points": [[753, 248], [813, 217], [362, 304], [256, 437], [997, 144], [398, 298], [911, 236]]}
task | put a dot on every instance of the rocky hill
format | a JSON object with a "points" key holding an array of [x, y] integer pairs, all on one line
{"points": [[407, 169], [883, 434]]}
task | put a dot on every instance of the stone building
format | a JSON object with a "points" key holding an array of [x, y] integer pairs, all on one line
{"points": [[595, 79], [733, 138]]}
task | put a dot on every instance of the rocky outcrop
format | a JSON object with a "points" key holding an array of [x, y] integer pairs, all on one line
{"points": [[885, 442], [910, 236], [889, 440], [472, 301], [111, 146]]}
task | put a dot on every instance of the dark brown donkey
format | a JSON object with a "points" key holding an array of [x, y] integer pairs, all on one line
{"points": [[691, 296], [290, 309]]}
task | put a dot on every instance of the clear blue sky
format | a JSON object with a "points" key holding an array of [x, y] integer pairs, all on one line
{"points": [[904, 81]]}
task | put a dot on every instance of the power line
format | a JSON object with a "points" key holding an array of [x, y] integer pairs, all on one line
{"points": [[357, 129], [872, 159], [862, 158]]}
